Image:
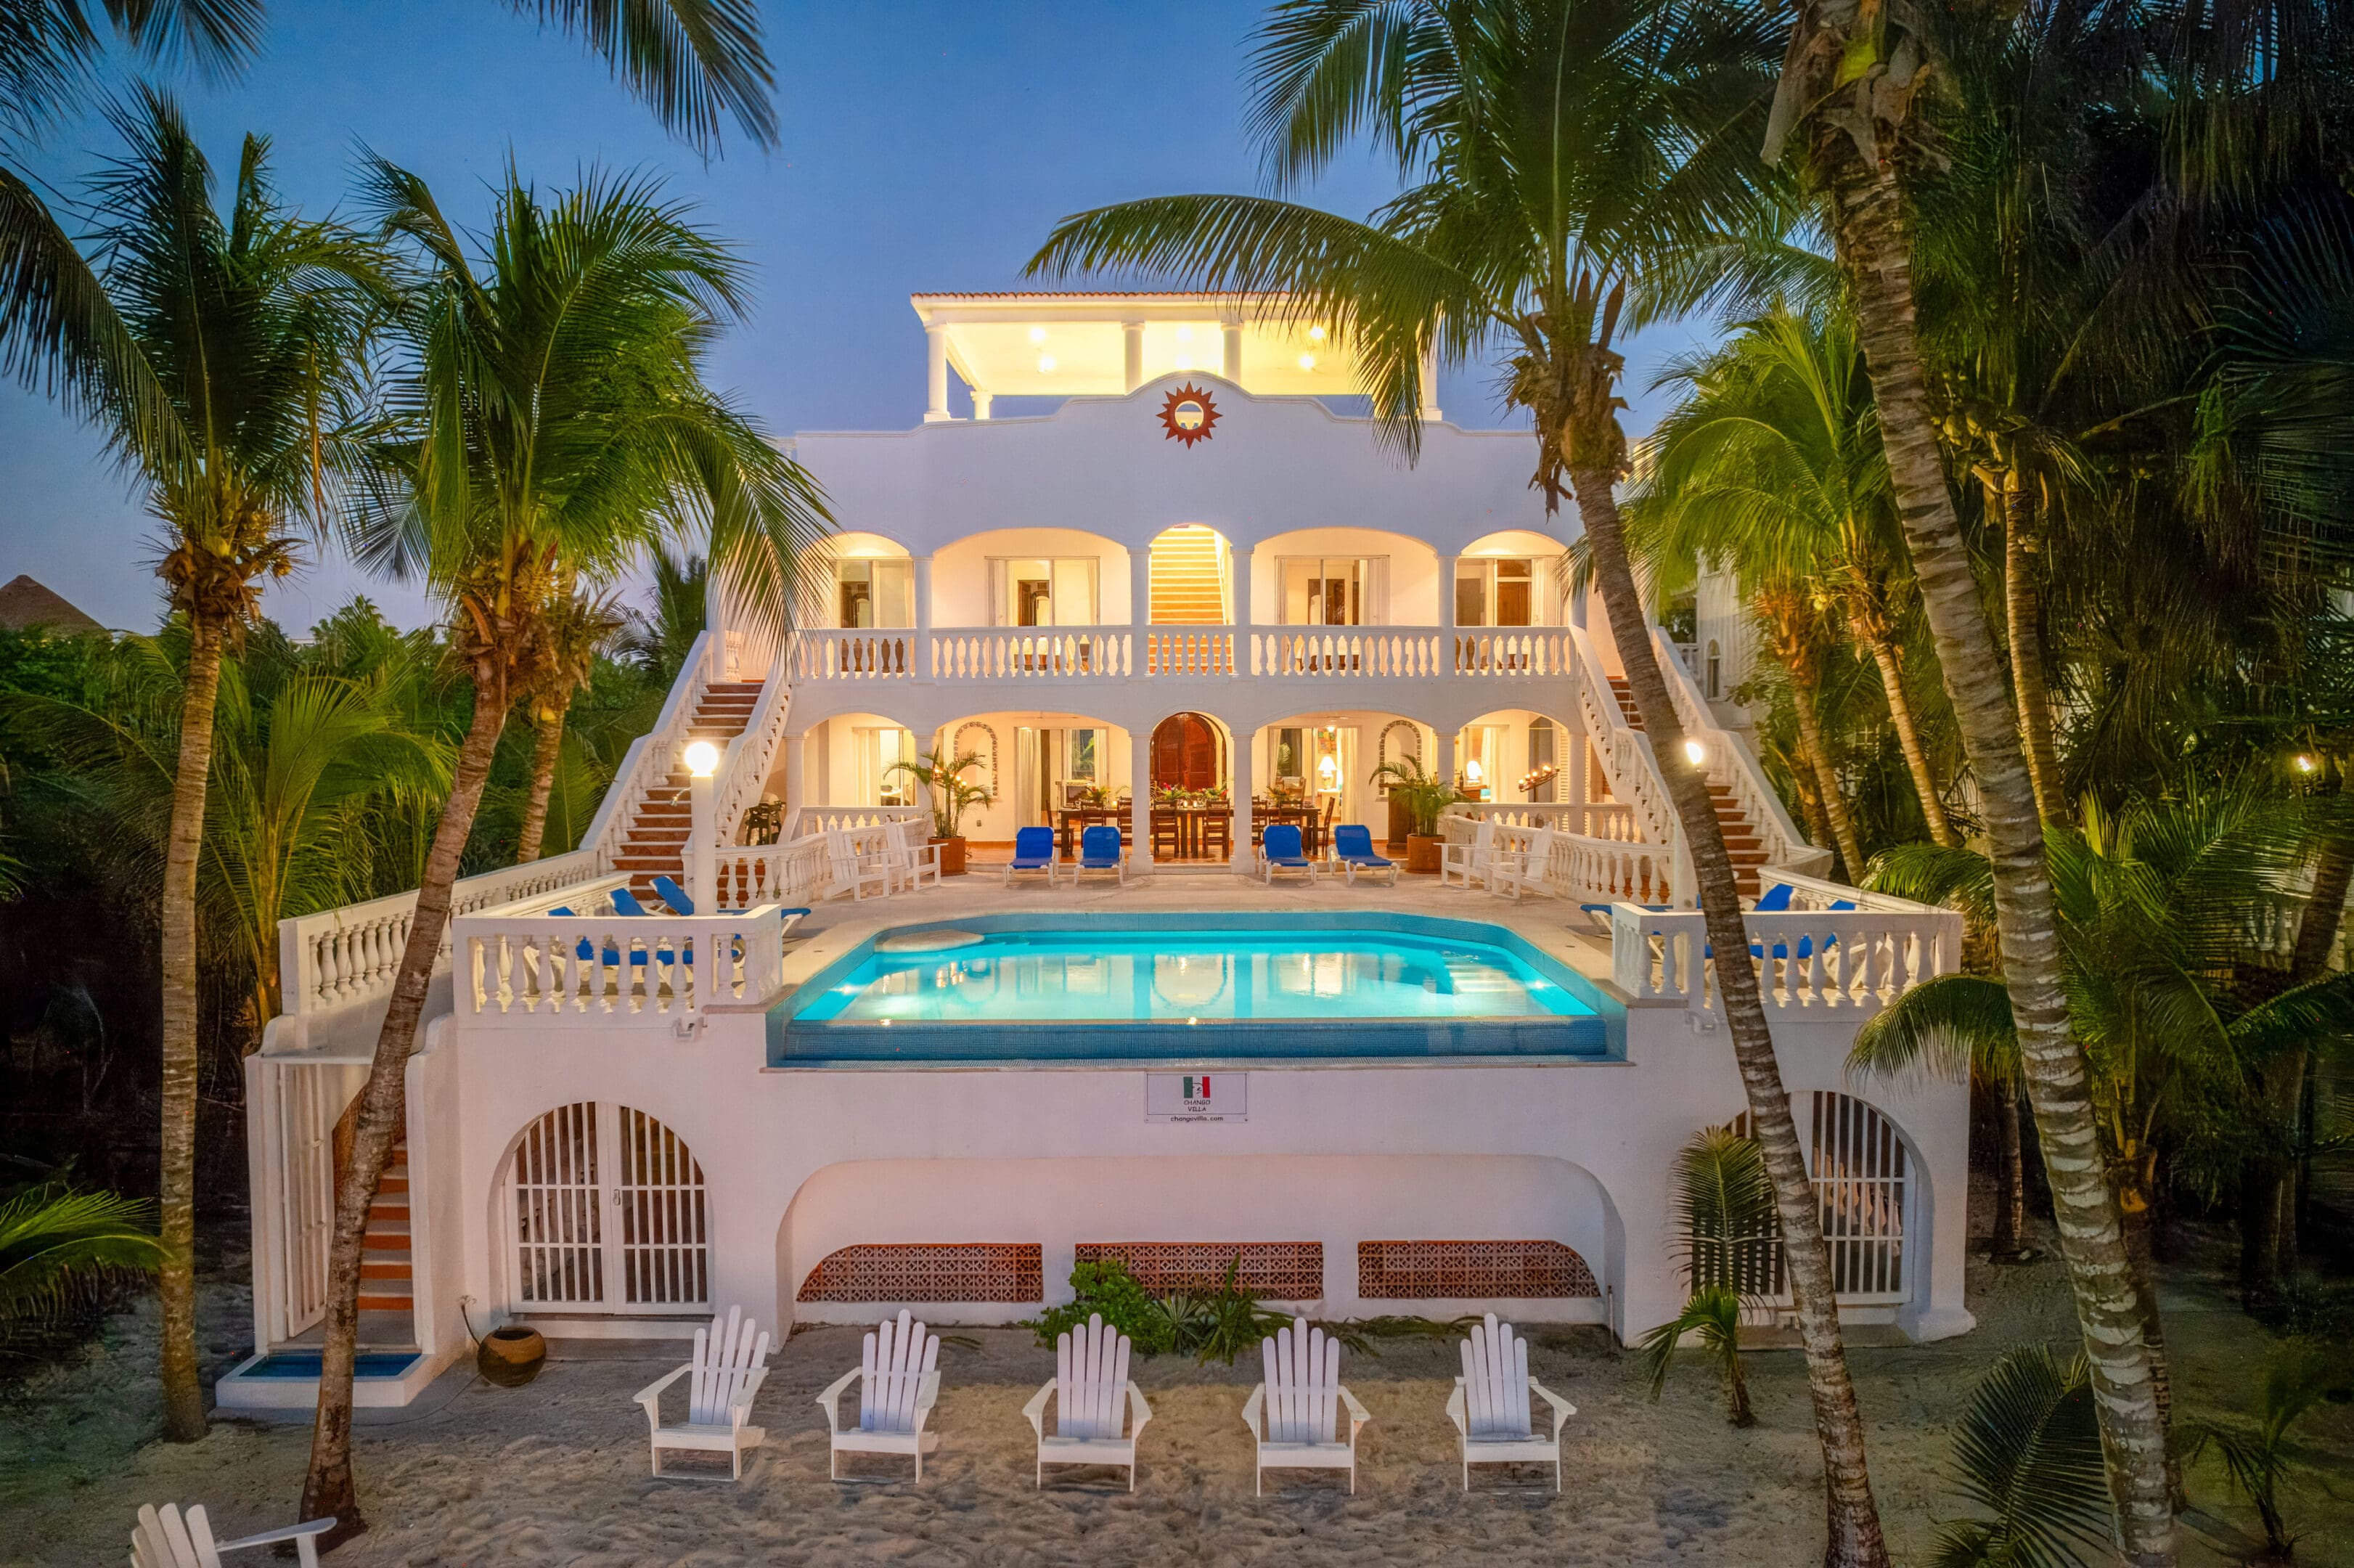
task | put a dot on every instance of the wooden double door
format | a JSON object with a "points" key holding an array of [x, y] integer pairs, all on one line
{"points": [[1186, 754]]}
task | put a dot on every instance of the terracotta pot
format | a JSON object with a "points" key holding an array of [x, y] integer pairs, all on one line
{"points": [[951, 856], [1422, 854], [511, 1356]]}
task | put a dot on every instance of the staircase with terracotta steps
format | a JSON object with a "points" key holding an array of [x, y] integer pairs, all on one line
{"points": [[655, 844], [386, 1275], [1186, 588], [1742, 840]]}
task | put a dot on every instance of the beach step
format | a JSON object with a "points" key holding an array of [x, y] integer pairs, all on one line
{"points": [[386, 1271]]}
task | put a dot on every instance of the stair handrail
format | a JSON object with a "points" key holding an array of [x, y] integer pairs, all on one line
{"points": [[751, 755], [1732, 764], [1627, 759], [647, 763]]}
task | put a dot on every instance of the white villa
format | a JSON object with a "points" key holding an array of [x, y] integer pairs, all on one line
{"points": [[1191, 602]]}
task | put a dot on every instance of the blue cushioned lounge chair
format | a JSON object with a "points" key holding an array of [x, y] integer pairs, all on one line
{"points": [[1353, 850], [1099, 851], [1033, 850], [1279, 850]]}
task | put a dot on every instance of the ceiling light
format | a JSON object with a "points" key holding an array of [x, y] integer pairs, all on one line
{"points": [[1046, 365], [1184, 334], [1184, 362], [1316, 335], [1307, 362], [1037, 334]]}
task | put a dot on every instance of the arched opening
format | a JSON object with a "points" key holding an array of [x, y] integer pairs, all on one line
{"points": [[1864, 1192], [605, 1211], [1188, 755], [869, 582], [1192, 578]]}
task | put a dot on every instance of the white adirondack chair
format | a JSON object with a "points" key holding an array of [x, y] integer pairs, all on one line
{"points": [[728, 1367], [166, 1538], [1469, 862], [911, 855], [1093, 1398], [856, 863], [1294, 1415], [1489, 1405], [899, 1382]]}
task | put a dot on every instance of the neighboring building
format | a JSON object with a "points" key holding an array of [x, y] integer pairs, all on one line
{"points": [[1194, 602], [25, 604]]}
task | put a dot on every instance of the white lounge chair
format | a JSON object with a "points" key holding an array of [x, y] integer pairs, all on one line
{"points": [[1294, 1415], [1489, 1405], [165, 1539], [899, 1382], [911, 855], [1093, 1399], [728, 1366]]}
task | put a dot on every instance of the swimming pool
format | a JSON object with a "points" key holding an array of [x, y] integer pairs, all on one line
{"points": [[1186, 986]]}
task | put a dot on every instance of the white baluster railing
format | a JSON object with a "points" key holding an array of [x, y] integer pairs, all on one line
{"points": [[796, 874], [1813, 960], [820, 655], [1189, 650], [1056, 653], [809, 821], [744, 771], [1732, 765], [1627, 759], [647, 764], [520, 967], [1513, 653], [1596, 819]]}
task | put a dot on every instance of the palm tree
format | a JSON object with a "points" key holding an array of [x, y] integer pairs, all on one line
{"points": [[1725, 1220], [1852, 76], [212, 351], [697, 62], [578, 625], [1558, 155], [550, 425], [1770, 461], [53, 1238]]}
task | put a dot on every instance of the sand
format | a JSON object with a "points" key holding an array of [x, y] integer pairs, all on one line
{"points": [[556, 1473]]}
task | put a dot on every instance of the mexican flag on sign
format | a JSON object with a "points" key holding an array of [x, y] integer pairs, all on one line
{"points": [[1197, 1088]]}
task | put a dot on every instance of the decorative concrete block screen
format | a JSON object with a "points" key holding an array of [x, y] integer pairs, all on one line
{"points": [[1288, 1271], [929, 1271], [1473, 1270]]}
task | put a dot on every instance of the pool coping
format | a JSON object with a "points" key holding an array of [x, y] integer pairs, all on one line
{"points": [[1552, 957]]}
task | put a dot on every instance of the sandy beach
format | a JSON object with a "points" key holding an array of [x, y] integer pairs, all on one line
{"points": [[556, 1473]]}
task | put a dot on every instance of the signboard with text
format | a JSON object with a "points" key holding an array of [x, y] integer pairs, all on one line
{"points": [[1196, 1097]]}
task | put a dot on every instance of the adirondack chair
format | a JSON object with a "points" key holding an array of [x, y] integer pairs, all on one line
{"points": [[166, 1538], [1033, 850], [1467, 863], [730, 1365], [1294, 1415], [899, 1382], [1099, 851], [911, 855], [1279, 850], [855, 866], [1353, 850], [1489, 1405], [1093, 1399]]}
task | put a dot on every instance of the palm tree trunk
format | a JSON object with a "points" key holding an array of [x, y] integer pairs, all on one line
{"points": [[175, 1277], [2023, 601], [2141, 1259], [544, 751], [1908, 735], [327, 1488], [1810, 741], [2011, 1178], [1855, 1540], [1875, 252], [2269, 1241]]}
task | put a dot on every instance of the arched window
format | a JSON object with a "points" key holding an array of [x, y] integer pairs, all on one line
{"points": [[1715, 670], [1863, 1183], [606, 1211]]}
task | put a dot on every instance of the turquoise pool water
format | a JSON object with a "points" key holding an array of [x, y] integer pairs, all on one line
{"points": [[1189, 985]]}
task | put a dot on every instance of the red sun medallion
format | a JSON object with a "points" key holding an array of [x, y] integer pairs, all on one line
{"points": [[1188, 415]]}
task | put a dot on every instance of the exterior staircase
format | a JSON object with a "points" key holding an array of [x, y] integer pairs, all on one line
{"points": [[386, 1278], [655, 844], [1186, 582], [1742, 840]]}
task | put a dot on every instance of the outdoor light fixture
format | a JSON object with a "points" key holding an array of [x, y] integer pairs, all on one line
{"points": [[1695, 753], [2305, 762], [702, 759], [1307, 362]]}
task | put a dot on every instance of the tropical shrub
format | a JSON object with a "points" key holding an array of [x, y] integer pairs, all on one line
{"points": [[1109, 1289], [2028, 1453]]}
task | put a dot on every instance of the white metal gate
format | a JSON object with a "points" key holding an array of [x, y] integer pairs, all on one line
{"points": [[1862, 1180], [307, 1110], [650, 1253]]}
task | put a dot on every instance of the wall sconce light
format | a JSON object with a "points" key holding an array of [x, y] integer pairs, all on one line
{"points": [[702, 759]]}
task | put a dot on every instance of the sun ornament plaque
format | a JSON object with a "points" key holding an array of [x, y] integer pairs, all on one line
{"points": [[1188, 415]]}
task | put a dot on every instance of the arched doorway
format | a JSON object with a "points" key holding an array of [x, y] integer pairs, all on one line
{"points": [[1863, 1182], [1185, 754], [605, 1211]]}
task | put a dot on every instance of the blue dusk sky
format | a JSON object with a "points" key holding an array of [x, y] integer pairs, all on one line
{"points": [[925, 146]]}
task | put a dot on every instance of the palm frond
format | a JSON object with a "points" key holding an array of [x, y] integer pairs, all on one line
{"points": [[697, 62]]}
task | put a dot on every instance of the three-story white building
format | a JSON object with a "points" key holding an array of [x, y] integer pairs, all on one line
{"points": [[1193, 598]]}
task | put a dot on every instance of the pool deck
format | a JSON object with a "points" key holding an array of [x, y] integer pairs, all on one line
{"points": [[1556, 928]]}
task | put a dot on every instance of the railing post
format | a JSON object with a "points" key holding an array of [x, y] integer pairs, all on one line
{"points": [[919, 657], [1140, 803]]}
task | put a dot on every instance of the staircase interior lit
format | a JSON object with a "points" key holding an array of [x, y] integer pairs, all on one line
{"points": [[1740, 839], [656, 843]]}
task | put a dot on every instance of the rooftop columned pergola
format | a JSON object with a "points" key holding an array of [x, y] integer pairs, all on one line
{"points": [[1109, 345]]}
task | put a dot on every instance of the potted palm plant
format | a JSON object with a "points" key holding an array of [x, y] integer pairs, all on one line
{"points": [[1425, 795], [951, 796]]}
